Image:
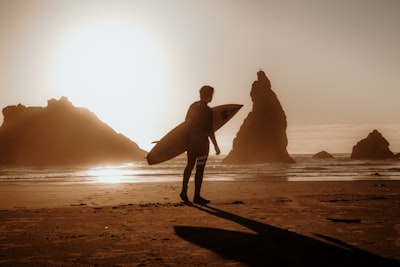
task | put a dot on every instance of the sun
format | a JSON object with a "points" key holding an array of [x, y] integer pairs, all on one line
{"points": [[116, 69]]}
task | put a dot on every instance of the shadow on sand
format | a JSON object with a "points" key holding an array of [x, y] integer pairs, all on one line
{"points": [[272, 246]]}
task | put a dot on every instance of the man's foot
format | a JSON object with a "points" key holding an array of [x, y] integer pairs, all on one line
{"points": [[185, 198], [201, 201]]}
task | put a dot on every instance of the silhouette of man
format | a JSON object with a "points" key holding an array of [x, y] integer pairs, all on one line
{"points": [[200, 124]]}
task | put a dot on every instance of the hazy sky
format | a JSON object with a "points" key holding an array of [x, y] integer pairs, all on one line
{"points": [[138, 65]]}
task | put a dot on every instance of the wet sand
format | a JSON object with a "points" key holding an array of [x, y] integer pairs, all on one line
{"points": [[246, 224]]}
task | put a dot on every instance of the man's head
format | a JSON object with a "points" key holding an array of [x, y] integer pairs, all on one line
{"points": [[206, 93]]}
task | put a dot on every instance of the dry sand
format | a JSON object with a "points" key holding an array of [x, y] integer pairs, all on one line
{"points": [[246, 224]]}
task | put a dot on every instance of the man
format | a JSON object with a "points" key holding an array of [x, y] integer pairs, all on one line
{"points": [[200, 124]]}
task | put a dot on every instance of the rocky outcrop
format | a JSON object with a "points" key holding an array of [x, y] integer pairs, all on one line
{"points": [[322, 155], [375, 146], [61, 134], [262, 136]]}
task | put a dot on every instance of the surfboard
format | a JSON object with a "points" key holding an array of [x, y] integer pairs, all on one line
{"points": [[174, 142]]}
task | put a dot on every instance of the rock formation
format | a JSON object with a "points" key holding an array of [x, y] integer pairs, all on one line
{"points": [[61, 134], [375, 146], [322, 155], [262, 136]]}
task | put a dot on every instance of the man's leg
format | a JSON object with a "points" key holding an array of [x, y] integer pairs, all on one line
{"points": [[198, 180], [191, 161]]}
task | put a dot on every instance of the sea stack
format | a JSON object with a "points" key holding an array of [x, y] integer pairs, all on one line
{"points": [[374, 147], [262, 136], [61, 134], [322, 155]]}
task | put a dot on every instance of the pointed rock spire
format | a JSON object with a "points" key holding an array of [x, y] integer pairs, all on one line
{"points": [[262, 136]]}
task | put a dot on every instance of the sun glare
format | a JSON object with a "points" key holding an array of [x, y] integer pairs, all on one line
{"points": [[111, 174], [114, 68]]}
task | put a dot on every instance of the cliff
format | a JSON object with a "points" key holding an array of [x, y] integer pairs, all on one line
{"points": [[262, 136], [373, 147], [61, 134]]}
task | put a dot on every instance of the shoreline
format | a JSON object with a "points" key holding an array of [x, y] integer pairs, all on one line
{"points": [[53, 194]]}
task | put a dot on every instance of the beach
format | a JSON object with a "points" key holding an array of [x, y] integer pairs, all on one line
{"points": [[262, 223]]}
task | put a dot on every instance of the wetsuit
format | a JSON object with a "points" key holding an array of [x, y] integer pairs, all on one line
{"points": [[200, 123]]}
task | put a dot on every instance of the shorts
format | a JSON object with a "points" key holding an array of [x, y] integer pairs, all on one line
{"points": [[198, 147]]}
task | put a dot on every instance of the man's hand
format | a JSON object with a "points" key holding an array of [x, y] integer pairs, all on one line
{"points": [[217, 151]]}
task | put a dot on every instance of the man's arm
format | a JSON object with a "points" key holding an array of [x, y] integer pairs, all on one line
{"points": [[211, 131], [214, 141]]}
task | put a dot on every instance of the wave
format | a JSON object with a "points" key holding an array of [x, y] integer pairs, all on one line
{"points": [[339, 168]]}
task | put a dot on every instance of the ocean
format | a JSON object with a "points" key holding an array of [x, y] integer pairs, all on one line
{"points": [[306, 168]]}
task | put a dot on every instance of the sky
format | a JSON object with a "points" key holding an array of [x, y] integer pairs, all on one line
{"points": [[138, 65]]}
